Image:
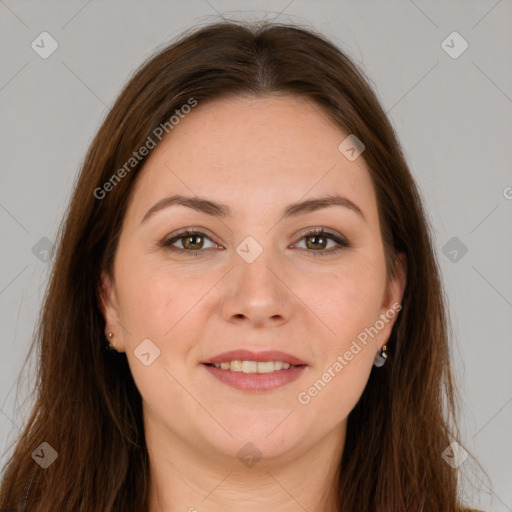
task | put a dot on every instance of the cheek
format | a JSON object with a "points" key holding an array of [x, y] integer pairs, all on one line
{"points": [[160, 304], [349, 304], [348, 300], [147, 297], [154, 297], [333, 393], [345, 354]]}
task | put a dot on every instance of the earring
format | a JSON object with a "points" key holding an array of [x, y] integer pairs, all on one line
{"points": [[110, 345], [380, 359]]}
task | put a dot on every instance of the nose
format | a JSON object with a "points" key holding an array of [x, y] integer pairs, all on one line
{"points": [[257, 294]]}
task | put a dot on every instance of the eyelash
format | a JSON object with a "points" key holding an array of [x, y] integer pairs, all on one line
{"points": [[342, 243]]}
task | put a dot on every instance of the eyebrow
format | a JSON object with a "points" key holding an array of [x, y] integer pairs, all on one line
{"points": [[221, 210]]}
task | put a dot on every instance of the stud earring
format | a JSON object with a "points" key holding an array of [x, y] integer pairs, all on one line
{"points": [[380, 359], [110, 345]]}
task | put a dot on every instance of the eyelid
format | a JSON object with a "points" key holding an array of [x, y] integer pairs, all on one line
{"points": [[340, 240], [182, 233], [320, 231]]}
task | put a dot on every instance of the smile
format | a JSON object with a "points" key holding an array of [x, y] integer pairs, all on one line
{"points": [[255, 371], [253, 366]]}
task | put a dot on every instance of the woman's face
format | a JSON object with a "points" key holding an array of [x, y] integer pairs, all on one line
{"points": [[249, 174]]}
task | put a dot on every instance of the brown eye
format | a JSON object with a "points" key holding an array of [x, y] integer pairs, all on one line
{"points": [[192, 242], [188, 241], [317, 242]]}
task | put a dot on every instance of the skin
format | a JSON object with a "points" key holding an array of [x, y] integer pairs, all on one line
{"points": [[256, 155]]}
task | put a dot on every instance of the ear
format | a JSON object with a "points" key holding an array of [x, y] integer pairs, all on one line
{"points": [[110, 311], [391, 304]]}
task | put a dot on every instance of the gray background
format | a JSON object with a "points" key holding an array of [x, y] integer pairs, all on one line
{"points": [[453, 117]]}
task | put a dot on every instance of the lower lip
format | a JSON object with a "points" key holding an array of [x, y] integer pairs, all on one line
{"points": [[256, 381]]}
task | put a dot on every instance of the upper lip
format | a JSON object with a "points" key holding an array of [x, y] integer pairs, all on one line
{"points": [[263, 356]]}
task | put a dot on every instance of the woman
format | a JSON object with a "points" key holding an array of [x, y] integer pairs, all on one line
{"points": [[245, 310]]}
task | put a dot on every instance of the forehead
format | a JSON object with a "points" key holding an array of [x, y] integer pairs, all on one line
{"points": [[254, 152]]}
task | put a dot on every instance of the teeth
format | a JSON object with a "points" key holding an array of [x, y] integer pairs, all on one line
{"points": [[253, 366], [249, 366], [267, 367], [235, 366]]}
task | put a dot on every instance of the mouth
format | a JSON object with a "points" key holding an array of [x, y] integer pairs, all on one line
{"points": [[252, 366], [248, 371]]}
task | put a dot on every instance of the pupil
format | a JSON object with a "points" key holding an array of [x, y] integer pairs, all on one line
{"points": [[316, 238], [189, 241]]}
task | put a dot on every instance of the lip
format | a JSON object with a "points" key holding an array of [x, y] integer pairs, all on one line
{"points": [[247, 355], [256, 381]]}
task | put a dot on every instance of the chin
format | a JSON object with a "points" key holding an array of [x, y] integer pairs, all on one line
{"points": [[262, 436]]}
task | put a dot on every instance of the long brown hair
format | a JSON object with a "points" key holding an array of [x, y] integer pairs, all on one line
{"points": [[87, 406]]}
